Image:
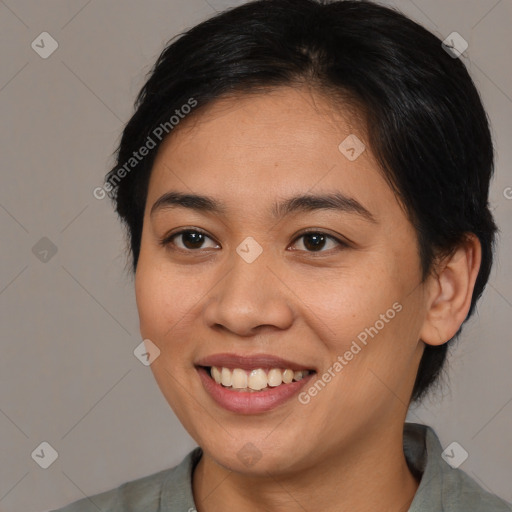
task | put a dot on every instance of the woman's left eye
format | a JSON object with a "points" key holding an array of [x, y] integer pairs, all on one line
{"points": [[193, 240], [316, 241]]}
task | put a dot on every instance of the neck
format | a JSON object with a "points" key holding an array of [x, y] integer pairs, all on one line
{"points": [[370, 475]]}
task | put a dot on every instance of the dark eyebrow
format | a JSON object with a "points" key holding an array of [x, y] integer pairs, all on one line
{"points": [[192, 201], [300, 203], [333, 201]]}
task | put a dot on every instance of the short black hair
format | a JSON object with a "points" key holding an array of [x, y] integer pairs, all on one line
{"points": [[425, 121]]}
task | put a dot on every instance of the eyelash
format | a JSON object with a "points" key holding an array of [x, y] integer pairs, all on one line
{"points": [[167, 241]]}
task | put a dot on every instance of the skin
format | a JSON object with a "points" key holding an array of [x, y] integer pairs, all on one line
{"points": [[342, 450]]}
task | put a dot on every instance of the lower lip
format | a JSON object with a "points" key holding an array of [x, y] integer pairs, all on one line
{"points": [[251, 402]]}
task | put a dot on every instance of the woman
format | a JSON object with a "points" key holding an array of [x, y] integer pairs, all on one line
{"points": [[305, 191]]}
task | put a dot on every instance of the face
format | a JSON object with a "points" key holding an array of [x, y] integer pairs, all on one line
{"points": [[249, 280]]}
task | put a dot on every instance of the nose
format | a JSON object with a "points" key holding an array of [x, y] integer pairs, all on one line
{"points": [[251, 297]]}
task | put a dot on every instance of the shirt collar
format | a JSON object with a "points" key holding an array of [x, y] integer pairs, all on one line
{"points": [[422, 450]]}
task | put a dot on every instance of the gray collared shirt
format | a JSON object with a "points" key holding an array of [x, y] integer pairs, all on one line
{"points": [[442, 488]]}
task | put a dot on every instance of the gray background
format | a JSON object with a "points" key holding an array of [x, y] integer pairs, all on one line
{"points": [[69, 325]]}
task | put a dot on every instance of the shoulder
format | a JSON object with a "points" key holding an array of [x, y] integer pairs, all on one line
{"points": [[462, 493], [147, 493], [443, 487], [142, 494]]}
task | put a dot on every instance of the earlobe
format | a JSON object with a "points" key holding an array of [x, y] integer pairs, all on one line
{"points": [[450, 289]]}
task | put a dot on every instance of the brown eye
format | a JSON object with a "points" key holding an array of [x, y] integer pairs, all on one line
{"points": [[317, 241], [189, 239]]}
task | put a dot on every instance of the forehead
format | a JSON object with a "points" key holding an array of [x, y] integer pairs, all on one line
{"points": [[287, 141], [303, 118]]}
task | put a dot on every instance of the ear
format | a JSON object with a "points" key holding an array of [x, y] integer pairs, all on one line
{"points": [[450, 289]]}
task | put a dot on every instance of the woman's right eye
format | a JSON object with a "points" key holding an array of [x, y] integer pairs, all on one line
{"points": [[187, 240]]}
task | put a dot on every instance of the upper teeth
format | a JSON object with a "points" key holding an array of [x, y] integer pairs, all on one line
{"points": [[255, 379]]}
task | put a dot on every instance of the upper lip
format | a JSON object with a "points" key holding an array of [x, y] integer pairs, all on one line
{"points": [[251, 362]]}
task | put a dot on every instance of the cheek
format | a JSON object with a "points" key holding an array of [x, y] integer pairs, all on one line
{"points": [[367, 316], [349, 299], [163, 297], [167, 302], [150, 297], [379, 354]]}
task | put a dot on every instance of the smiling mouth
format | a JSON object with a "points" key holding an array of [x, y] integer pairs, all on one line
{"points": [[258, 379]]}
